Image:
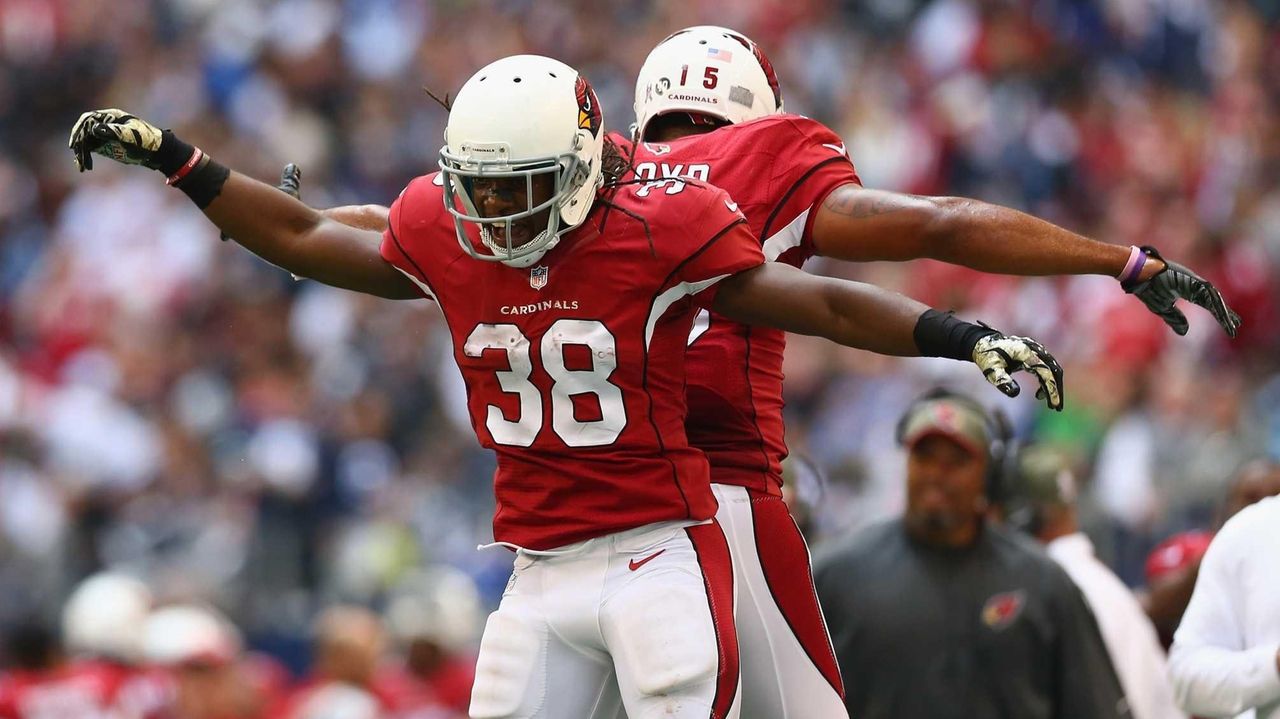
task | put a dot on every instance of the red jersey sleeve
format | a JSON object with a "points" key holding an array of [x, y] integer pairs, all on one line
{"points": [[814, 162], [724, 246], [396, 241]]}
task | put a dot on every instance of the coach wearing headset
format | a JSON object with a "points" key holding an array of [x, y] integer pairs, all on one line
{"points": [[943, 614]]}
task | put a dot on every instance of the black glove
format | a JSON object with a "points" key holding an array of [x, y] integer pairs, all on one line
{"points": [[1176, 281], [290, 184], [124, 138], [999, 356]]}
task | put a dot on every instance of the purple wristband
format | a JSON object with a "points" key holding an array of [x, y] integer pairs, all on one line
{"points": [[1133, 268]]}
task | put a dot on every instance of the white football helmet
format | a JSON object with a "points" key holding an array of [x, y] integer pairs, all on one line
{"points": [[105, 617], [520, 117], [706, 70], [190, 634]]}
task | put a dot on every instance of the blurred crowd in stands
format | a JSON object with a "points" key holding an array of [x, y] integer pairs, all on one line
{"points": [[259, 450]]}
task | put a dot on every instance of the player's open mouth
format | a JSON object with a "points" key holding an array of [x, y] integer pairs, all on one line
{"points": [[521, 233], [495, 237]]}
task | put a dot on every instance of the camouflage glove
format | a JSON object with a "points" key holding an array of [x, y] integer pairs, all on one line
{"points": [[998, 356], [124, 138], [1176, 281], [118, 135]]}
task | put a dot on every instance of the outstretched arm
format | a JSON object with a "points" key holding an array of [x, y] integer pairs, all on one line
{"points": [[867, 317], [272, 224], [860, 224], [853, 314], [375, 218], [364, 217], [287, 233]]}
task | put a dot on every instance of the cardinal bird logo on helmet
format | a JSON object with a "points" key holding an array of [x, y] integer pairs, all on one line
{"points": [[589, 117], [765, 65]]}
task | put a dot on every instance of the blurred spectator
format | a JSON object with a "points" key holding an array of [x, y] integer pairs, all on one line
{"points": [[203, 652], [1042, 501], [434, 617], [1171, 577], [1226, 654], [39, 681], [943, 614], [1173, 565], [349, 642], [103, 625], [1256, 481]]}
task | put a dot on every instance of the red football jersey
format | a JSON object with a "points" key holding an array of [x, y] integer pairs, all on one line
{"points": [[58, 694], [779, 169], [86, 689], [574, 367]]}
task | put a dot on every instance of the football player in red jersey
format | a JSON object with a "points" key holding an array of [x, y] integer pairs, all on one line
{"points": [[708, 105], [570, 295], [39, 683], [102, 675]]}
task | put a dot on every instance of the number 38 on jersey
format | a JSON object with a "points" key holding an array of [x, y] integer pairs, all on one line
{"points": [[566, 384]]}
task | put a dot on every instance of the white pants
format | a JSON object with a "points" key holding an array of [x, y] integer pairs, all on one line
{"points": [[789, 668], [639, 621]]}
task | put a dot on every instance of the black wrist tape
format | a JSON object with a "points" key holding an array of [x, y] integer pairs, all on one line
{"points": [[940, 334], [173, 153], [204, 182]]}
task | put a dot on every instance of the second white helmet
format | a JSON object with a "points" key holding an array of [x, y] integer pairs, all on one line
{"points": [[706, 70], [519, 117], [105, 617]]}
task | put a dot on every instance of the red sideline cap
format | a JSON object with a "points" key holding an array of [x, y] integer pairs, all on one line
{"points": [[1177, 552]]}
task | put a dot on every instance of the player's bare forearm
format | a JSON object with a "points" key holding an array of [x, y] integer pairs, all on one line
{"points": [[364, 217], [287, 233], [853, 314], [868, 317], [862, 224]]}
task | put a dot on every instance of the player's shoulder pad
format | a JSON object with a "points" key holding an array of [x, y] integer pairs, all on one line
{"points": [[420, 200], [696, 209], [694, 196], [431, 184], [786, 132]]}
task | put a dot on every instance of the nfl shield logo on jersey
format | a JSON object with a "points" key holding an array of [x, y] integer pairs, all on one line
{"points": [[538, 277]]}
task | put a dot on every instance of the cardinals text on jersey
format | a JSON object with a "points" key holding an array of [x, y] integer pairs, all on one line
{"points": [[577, 383]]}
